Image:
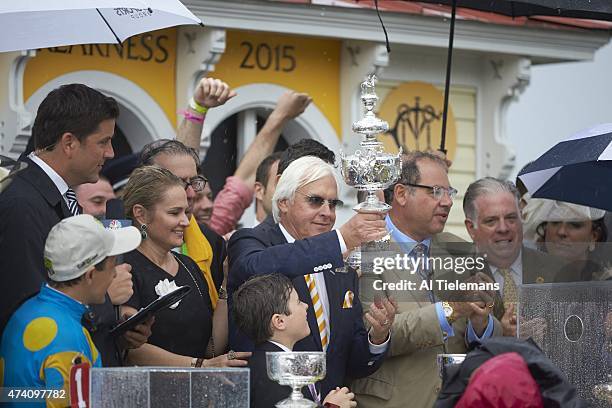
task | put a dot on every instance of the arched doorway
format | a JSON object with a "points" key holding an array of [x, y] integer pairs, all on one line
{"points": [[230, 129], [140, 121]]}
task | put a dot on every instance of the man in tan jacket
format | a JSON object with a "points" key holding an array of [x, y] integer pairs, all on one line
{"points": [[428, 322]]}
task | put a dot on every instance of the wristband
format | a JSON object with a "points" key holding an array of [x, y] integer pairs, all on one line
{"points": [[192, 117], [196, 362], [197, 107]]}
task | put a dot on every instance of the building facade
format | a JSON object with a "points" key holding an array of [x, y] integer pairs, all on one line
{"points": [[322, 47]]}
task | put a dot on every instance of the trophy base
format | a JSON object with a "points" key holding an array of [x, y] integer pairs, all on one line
{"points": [[603, 392], [372, 207], [296, 403]]}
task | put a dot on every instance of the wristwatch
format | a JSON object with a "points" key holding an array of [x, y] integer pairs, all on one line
{"points": [[222, 293], [449, 312]]}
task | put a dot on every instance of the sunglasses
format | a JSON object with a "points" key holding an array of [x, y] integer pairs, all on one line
{"points": [[316, 201]]}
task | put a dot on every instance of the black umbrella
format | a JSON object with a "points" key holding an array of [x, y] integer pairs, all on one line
{"points": [[587, 9], [576, 170]]}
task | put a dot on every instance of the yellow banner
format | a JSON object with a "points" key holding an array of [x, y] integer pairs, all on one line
{"points": [[304, 64], [148, 60]]}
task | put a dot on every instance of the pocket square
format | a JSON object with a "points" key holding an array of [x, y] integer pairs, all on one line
{"points": [[348, 300]]}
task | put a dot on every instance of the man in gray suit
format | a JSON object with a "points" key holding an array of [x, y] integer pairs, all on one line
{"points": [[427, 322], [493, 220]]}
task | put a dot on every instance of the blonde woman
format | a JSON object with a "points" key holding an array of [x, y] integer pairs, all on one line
{"points": [[187, 333]]}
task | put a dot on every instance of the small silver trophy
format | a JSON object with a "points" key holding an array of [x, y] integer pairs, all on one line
{"points": [[370, 168], [296, 369]]}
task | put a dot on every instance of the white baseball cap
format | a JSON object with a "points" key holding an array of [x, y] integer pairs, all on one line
{"points": [[78, 243]]}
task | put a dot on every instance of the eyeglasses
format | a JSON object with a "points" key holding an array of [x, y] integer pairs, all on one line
{"points": [[317, 201], [197, 183], [437, 191]]}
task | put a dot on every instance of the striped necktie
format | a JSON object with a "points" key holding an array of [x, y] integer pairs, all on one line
{"points": [[318, 309], [73, 204], [419, 254]]}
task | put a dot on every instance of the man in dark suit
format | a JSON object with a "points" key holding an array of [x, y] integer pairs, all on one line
{"points": [[303, 247], [72, 132], [493, 220], [267, 308], [72, 139]]}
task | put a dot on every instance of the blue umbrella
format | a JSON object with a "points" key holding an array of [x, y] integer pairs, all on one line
{"points": [[577, 170]]}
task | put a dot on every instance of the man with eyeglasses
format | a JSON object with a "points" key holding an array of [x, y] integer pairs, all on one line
{"points": [[428, 322], [303, 246]]}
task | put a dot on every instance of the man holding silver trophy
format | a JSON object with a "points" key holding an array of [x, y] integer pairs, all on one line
{"points": [[303, 247], [429, 321]]}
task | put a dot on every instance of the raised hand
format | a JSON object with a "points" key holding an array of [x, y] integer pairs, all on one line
{"points": [[363, 227], [292, 104], [212, 92]]}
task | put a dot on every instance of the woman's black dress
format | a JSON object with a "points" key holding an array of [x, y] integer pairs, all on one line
{"points": [[186, 329]]}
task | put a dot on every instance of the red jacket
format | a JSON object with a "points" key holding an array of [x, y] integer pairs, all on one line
{"points": [[503, 381]]}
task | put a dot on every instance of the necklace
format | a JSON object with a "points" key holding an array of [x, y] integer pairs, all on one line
{"points": [[212, 340]]}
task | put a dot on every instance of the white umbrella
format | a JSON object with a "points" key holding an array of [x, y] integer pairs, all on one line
{"points": [[31, 24]]}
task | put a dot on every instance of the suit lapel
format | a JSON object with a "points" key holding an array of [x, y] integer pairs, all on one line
{"points": [[45, 186], [335, 299], [276, 235]]}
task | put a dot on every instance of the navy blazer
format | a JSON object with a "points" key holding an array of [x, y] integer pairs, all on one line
{"points": [[29, 207], [263, 250]]}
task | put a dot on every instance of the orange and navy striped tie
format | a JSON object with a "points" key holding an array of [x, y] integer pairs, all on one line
{"points": [[318, 309]]}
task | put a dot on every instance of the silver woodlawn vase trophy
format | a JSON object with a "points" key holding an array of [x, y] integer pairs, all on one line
{"points": [[370, 168], [296, 369]]}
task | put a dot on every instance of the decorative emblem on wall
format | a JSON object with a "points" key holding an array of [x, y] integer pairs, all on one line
{"points": [[414, 112], [415, 122]]}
